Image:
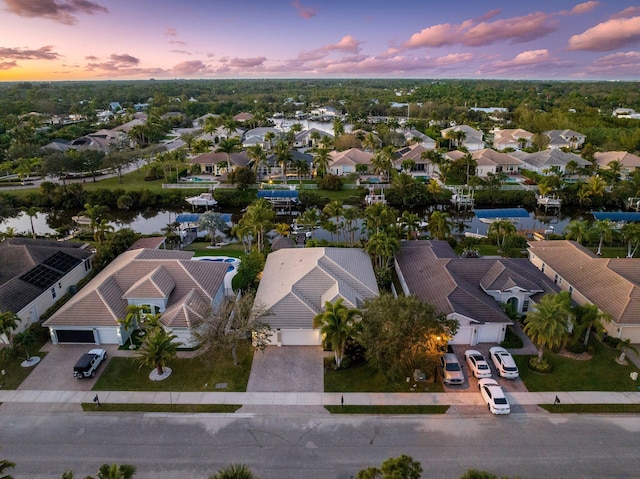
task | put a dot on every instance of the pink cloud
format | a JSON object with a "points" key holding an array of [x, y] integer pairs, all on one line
{"points": [[530, 61], [190, 68], [627, 12], [616, 64], [8, 65], [585, 7], [43, 53], [609, 35], [57, 10], [125, 59], [170, 32], [120, 65], [241, 63], [304, 12], [475, 33]]}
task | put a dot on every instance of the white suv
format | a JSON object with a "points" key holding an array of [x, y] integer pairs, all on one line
{"points": [[504, 363], [86, 366]]}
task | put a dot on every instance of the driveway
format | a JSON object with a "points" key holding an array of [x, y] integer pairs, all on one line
{"points": [[55, 371], [287, 369]]}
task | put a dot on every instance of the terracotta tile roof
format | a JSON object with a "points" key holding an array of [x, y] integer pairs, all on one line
{"points": [[611, 284], [491, 157], [153, 242], [352, 156], [147, 272], [626, 159]]}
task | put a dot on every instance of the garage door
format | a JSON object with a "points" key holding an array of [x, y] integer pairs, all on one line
{"points": [[300, 337], [75, 336], [108, 336], [463, 336], [630, 333]]}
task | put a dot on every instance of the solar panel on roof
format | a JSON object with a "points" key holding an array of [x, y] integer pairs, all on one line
{"points": [[41, 276], [62, 262]]}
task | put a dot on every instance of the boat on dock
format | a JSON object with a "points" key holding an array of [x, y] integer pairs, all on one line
{"points": [[549, 201], [203, 199]]}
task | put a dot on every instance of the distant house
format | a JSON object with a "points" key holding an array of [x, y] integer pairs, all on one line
{"points": [[243, 117], [473, 139], [492, 161], [36, 273], [512, 138], [345, 162], [414, 153], [115, 106], [544, 161], [611, 284], [470, 290], [297, 282], [256, 136], [60, 145], [628, 162], [297, 158], [305, 138], [565, 139], [324, 112], [162, 282], [420, 138], [217, 163]]}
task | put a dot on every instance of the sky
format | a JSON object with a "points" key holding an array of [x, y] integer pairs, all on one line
{"points": [[49, 40]]}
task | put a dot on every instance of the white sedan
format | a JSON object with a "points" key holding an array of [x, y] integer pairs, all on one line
{"points": [[477, 364], [504, 363], [494, 396]]}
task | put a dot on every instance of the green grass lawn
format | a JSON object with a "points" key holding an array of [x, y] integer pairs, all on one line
{"points": [[600, 373], [201, 249], [201, 373], [387, 409], [188, 408], [14, 373], [363, 378], [592, 408]]}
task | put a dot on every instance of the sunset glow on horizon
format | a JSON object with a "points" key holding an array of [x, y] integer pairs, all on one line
{"points": [[114, 39]]}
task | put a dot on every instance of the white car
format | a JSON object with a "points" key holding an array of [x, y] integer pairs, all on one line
{"points": [[88, 363], [477, 364], [494, 396], [504, 363]]}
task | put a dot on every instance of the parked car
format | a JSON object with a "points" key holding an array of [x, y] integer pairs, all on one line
{"points": [[477, 364], [451, 369], [88, 363], [494, 396], [504, 363]]}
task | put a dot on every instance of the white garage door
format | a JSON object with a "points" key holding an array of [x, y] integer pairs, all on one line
{"points": [[108, 336], [300, 337], [489, 333], [630, 333], [463, 336]]}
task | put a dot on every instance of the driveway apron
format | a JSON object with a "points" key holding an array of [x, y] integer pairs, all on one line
{"points": [[287, 369]]}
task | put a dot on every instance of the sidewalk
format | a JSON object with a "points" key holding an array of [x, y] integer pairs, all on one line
{"points": [[311, 398]]}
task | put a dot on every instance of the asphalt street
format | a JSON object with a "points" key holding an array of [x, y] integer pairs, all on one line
{"points": [[288, 446]]}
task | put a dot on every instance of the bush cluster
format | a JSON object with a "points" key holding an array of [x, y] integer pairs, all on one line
{"points": [[540, 367]]}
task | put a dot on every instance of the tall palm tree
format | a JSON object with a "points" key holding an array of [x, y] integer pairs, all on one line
{"points": [[259, 157], [321, 161], [102, 229], [157, 348], [269, 137], [213, 222], [596, 186], [31, 212], [548, 324], [631, 234], [258, 219], [382, 246], [603, 229], [25, 340], [378, 217], [95, 213], [234, 471], [8, 323], [503, 230], [586, 317], [350, 215], [115, 471], [382, 161], [132, 319], [578, 230], [410, 224], [336, 324], [229, 146], [470, 165], [333, 209], [284, 157], [440, 225]]}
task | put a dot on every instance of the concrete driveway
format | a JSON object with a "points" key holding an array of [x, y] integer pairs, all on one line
{"points": [[55, 371], [287, 369]]}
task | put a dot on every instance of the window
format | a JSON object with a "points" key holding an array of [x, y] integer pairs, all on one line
{"points": [[53, 293], [543, 265], [555, 278], [525, 306], [570, 291]]}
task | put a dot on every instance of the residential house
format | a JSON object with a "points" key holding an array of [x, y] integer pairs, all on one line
{"points": [[298, 161], [516, 139], [415, 136], [414, 153], [217, 163], [256, 136], [545, 161], [305, 138], [164, 282], [243, 117], [59, 144], [327, 112], [345, 162], [492, 161], [472, 141], [36, 273], [297, 282], [565, 139], [628, 162], [611, 284], [470, 290]]}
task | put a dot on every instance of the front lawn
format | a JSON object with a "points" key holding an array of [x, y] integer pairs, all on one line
{"points": [[600, 373], [432, 409], [201, 373], [363, 378]]}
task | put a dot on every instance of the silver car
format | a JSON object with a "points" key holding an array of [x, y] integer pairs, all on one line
{"points": [[451, 369]]}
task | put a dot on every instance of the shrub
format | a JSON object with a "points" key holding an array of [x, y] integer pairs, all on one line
{"points": [[330, 182], [611, 341], [540, 367], [578, 347], [511, 340]]}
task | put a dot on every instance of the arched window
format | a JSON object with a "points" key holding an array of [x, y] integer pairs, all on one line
{"points": [[513, 303]]}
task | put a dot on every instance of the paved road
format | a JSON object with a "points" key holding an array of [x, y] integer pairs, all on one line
{"points": [[288, 446]]}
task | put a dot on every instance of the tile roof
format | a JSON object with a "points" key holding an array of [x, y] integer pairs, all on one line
{"points": [[490, 157], [352, 156], [153, 242], [611, 284], [626, 159], [150, 274], [297, 282], [552, 157]]}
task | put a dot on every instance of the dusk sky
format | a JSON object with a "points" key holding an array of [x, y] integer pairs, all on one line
{"points": [[166, 39]]}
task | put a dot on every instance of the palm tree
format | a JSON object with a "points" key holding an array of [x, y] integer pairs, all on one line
{"points": [[115, 471], [95, 213], [336, 325], [382, 246], [470, 165], [8, 323], [234, 471], [213, 222], [586, 317], [603, 229], [26, 339], [31, 212], [284, 157], [269, 137], [433, 157], [382, 161], [258, 219], [502, 230], [157, 348], [378, 217], [440, 225], [4, 465], [259, 157], [631, 234], [350, 215], [596, 186], [625, 345], [132, 319], [578, 230], [548, 324], [410, 224], [229, 146], [333, 209], [321, 161], [101, 230]]}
